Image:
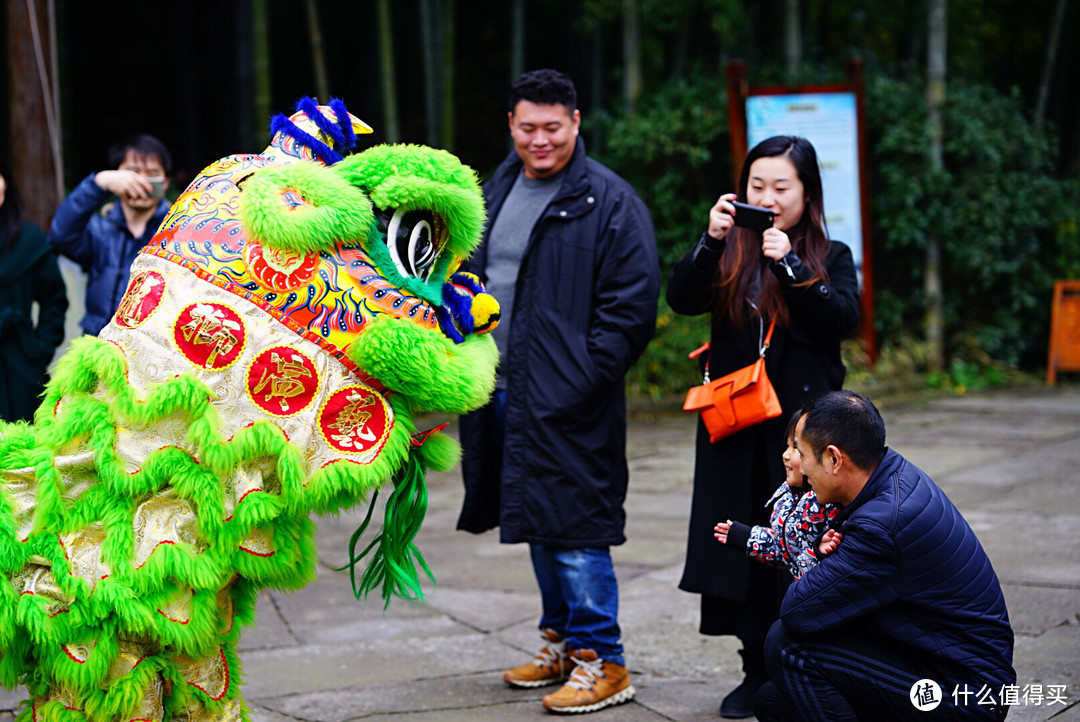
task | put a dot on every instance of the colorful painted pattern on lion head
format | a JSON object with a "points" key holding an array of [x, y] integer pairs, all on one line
{"points": [[325, 249]]}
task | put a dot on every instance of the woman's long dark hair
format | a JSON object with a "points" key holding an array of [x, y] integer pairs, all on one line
{"points": [[11, 217], [742, 263]]}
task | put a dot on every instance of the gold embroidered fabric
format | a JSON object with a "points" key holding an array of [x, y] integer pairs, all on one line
{"points": [[153, 357], [83, 549], [37, 579], [230, 712], [209, 674], [130, 654], [80, 652], [62, 694], [260, 543], [178, 607], [226, 610], [164, 519], [19, 486]]}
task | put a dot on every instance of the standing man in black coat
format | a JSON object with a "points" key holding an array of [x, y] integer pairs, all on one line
{"points": [[571, 255]]}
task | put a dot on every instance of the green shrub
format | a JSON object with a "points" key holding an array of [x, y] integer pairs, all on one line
{"points": [[1006, 224]]}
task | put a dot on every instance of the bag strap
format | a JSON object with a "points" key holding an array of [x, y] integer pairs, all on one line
{"points": [[768, 339], [705, 348]]}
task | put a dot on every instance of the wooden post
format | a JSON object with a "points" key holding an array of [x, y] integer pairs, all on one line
{"points": [[866, 300], [36, 160]]}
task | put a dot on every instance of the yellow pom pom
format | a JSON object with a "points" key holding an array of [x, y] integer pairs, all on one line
{"points": [[485, 313]]}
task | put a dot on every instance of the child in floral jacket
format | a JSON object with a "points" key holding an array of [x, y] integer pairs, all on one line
{"points": [[796, 521]]}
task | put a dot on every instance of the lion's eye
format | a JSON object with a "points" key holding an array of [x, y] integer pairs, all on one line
{"points": [[414, 239]]}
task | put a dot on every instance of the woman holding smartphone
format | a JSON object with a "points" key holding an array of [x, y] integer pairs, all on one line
{"points": [[744, 279]]}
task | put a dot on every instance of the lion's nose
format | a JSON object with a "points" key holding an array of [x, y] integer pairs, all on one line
{"points": [[467, 308], [485, 313]]}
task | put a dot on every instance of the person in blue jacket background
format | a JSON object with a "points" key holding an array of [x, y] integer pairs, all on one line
{"points": [[571, 256], [906, 619], [105, 244]]}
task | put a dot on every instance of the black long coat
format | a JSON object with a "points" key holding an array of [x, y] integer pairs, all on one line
{"points": [[584, 310], [28, 273], [734, 477]]}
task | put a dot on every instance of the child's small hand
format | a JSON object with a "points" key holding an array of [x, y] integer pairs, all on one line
{"points": [[722, 530], [829, 541]]}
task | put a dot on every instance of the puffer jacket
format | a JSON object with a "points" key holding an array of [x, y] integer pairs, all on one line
{"points": [[102, 244], [796, 524], [911, 570]]}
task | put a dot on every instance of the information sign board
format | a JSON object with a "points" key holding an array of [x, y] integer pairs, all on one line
{"points": [[830, 122]]}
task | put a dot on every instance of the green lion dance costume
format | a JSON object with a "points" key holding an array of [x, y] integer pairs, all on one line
{"points": [[293, 314]]}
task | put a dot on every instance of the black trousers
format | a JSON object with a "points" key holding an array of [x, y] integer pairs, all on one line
{"points": [[854, 675]]}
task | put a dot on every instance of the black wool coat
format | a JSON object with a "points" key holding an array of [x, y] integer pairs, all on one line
{"points": [[734, 477], [584, 310], [29, 273]]}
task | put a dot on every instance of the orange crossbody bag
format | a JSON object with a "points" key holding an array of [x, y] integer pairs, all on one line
{"points": [[737, 400]]}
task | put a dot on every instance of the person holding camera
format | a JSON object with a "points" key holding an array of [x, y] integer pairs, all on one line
{"points": [[105, 244], [746, 274]]}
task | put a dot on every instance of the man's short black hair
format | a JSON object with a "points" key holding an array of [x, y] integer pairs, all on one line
{"points": [[142, 144], [848, 421], [544, 87]]}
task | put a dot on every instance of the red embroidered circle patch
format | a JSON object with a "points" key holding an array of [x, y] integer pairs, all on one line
{"points": [[282, 381], [209, 335], [355, 420], [141, 299], [277, 269]]}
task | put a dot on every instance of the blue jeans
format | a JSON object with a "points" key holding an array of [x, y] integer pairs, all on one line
{"points": [[580, 598], [577, 586]]}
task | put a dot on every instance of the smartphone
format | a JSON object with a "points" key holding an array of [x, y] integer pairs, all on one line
{"points": [[158, 185], [754, 218]]}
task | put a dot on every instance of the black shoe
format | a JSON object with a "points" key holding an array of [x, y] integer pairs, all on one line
{"points": [[739, 704]]}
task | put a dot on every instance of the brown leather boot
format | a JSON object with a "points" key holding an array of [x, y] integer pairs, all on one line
{"points": [[594, 684], [551, 664]]}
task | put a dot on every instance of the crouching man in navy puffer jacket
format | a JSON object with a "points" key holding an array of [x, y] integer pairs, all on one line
{"points": [[906, 619]]}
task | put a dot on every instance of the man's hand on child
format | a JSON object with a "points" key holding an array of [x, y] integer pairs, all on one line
{"points": [[721, 531], [829, 541]]}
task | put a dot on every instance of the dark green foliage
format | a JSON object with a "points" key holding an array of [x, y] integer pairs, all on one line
{"points": [[1007, 225], [674, 151]]}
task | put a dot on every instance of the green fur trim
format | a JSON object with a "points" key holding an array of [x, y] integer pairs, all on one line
{"points": [[416, 176], [304, 207], [441, 376], [439, 452]]}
